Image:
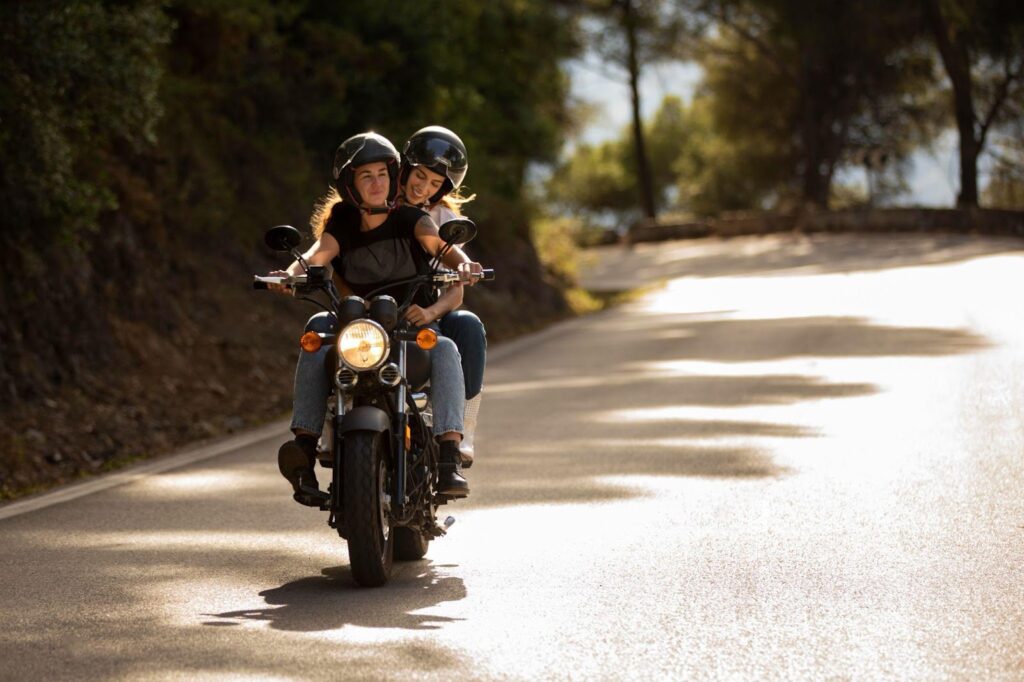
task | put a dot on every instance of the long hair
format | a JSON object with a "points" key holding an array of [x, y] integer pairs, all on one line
{"points": [[454, 200], [322, 211]]}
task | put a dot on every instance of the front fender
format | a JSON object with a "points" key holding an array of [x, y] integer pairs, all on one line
{"points": [[365, 418]]}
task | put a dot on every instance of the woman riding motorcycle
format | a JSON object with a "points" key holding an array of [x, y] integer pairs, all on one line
{"points": [[434, 165], [372, 242]]}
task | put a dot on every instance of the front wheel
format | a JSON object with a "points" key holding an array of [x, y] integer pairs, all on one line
{"points": [[410, 544], [367, 507]]}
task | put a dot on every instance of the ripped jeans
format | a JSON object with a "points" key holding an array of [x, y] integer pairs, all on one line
{"points": [[447, 390]]}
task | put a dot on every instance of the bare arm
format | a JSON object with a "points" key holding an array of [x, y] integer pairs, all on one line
{"points": [[447, 302], [428, 237], [321, 253]]}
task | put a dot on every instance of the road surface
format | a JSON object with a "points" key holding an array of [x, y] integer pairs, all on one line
{"points": [[795, 458]]}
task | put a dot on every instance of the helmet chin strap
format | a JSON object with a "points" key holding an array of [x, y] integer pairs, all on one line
{"points": [[375, 210]]}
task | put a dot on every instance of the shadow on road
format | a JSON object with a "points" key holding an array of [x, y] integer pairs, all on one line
{"points": [[623, 406], [332, 600]]}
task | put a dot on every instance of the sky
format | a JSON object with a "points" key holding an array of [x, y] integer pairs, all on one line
{"points": [[933, 179]]}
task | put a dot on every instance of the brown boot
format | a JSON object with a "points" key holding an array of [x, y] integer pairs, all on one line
{"points": [[295, 459]]}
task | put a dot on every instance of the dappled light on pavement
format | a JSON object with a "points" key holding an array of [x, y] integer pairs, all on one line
{"points": [[797, 459]]}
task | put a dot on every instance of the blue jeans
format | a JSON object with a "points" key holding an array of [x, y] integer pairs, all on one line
{"points": [[467, 331], [447, 393]]}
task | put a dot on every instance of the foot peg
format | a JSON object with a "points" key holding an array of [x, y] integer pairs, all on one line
{"points": [[314, 493]]}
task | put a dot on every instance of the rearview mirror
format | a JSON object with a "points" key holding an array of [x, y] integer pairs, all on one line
{"points": [[282, 238], [458, 231]]}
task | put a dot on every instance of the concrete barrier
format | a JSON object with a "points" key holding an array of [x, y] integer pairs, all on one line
{"points": [[951, 220]]}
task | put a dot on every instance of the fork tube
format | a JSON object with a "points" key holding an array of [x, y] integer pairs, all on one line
{"points": [[403, 421], [337, 451]]}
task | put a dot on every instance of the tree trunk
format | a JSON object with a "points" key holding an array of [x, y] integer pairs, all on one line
{"points": [[643, 166], [956, 59], [814, 188], [969, 147]]}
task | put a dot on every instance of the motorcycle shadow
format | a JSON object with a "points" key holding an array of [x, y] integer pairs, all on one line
{"points": [[332, 600]]}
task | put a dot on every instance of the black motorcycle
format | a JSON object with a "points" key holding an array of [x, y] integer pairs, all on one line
{"points": [[377, 439]]}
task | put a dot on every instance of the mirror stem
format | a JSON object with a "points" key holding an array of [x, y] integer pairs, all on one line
{"points": [[302, 261]]}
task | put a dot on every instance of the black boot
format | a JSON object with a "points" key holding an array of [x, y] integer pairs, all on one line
{"points": [[295, 459], [450, 480]]}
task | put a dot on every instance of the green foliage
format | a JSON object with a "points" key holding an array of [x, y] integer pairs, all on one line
{"points": [[791, 93], [603, 177], [556, 239], [160, 138], [79, 80], [811, 84]]}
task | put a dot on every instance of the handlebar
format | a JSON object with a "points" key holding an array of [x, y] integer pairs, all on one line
{"points": [[448, 277], [291, 281]]}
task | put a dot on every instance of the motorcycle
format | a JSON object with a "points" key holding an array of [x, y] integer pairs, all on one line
{"points": [[377, 440]]}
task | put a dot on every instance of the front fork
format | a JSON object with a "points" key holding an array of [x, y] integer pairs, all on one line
{"points": [[336, 447], [402, 424], [402, 419]]}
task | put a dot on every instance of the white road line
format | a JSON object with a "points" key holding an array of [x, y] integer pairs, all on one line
{"points": [[275, 429]]}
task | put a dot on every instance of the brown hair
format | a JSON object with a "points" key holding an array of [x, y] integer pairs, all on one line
{"points": [[322, 210]]}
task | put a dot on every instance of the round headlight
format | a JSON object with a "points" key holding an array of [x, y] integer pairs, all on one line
{"points": [[363, 345]]}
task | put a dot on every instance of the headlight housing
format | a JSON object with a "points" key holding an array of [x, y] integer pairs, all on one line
{"points": [[363, 345]]}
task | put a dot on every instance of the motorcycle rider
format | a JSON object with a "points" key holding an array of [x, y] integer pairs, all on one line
{"points": [[434, 165], [372, 241]]}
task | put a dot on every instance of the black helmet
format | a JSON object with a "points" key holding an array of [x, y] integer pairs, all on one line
{"points": [[360, 150], [440, 150]]}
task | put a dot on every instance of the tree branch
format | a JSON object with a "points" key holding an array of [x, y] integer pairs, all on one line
{"points": [[756, 41], [1002, 92]]}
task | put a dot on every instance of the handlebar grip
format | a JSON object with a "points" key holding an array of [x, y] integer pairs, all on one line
{"points": [[487, 275]]}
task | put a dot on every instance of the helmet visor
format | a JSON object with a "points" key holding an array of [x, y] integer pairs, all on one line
{"points": [[431, 151]]}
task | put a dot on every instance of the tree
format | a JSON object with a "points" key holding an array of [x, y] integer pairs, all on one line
{"points": [[629, 35], [603, 178], [981, 43], [813, 74]]}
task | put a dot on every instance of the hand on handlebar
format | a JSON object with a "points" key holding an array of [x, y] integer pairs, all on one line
{"points": [[470, 273], [285, 289]]}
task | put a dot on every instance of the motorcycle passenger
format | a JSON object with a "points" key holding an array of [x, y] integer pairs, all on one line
{"points": [[434, 165], [372, 241]]}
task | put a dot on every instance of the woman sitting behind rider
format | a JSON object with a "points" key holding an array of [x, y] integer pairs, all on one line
{"points": [[373, 242], [434, 165]]}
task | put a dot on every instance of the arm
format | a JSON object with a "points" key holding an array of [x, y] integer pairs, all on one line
{"points": [[321, 253], [447, 302], [456, 258]]}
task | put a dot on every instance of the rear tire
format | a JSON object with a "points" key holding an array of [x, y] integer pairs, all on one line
{"points": [[370, 536], [410, 544]]}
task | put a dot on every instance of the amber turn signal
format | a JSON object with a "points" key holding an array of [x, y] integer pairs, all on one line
{"points": [[426, 338], [310, 342], [408, 437]]}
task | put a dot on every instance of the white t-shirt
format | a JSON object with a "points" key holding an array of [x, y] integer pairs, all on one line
{"points": [[442, 214]]}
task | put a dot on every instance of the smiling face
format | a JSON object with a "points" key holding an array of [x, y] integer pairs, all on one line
{"points": [[422, 184], [372, 182]]}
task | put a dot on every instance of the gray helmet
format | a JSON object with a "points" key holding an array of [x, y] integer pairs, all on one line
{"points": [[440, 150], [360, 150]]}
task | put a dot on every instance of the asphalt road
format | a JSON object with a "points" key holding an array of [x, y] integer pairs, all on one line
{"points": [[799, 458]]}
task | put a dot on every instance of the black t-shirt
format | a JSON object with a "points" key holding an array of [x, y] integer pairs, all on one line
{"points": [[376, 258]]}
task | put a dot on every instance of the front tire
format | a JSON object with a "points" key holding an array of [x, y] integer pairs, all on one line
{"points": [[410, 544], [370, 536]]}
